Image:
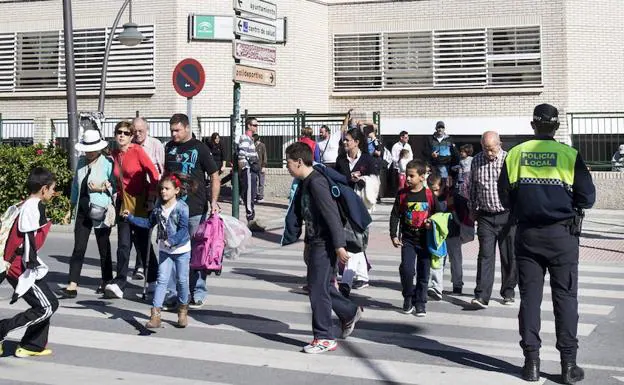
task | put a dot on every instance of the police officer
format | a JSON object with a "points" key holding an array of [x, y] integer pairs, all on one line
{"points": [[547, 185]]}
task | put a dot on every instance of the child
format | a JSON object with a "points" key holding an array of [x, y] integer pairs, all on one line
{"points": [[436, 281], [463, 170], [404, 158], [172, 216], [27, 271], [409, 221], [325, 243]]}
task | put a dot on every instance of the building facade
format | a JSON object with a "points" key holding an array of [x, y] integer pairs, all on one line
{"points": [[476, 64]]}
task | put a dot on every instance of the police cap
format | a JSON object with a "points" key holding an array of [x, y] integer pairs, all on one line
{"points": [[546, 113]]}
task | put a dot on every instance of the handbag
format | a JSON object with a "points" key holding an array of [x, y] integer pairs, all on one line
{"points": [[97, 213]]}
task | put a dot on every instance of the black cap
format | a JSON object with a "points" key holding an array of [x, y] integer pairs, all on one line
{"points": [[440, 124], [546, 113]]}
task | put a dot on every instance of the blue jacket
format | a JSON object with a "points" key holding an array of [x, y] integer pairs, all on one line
{"points": [[175, 230]]}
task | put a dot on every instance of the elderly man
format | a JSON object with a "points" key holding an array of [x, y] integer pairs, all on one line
{"points": [[494, 223], [152, 146]]}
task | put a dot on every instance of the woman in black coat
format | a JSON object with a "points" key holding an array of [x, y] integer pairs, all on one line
{"points": [[216, 149], [356, 162]]}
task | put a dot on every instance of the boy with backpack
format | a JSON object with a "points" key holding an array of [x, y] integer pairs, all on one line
{"points": [[25, 271], [409, 222], [325, 244]]}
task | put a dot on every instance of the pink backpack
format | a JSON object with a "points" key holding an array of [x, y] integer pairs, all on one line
{"points": [[208, 245]]}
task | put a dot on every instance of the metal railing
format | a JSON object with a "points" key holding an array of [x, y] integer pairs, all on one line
{"points": [[16, 132], [597, 136]]}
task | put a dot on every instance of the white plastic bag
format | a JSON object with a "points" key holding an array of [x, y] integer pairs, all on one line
{"points": [[237, 236]]}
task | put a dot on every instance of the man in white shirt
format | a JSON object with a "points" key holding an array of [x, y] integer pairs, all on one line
{"points": [[402, 144], [152, 146], [329, 145]]}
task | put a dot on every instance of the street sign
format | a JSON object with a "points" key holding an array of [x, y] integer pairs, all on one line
{"points": [[220, 28], [243, 50], [257, 7], [188, 78], [252, 28], [255, 75]]}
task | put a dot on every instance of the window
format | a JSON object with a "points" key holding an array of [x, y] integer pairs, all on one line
{"points": [[440, 59], [35, 61]]}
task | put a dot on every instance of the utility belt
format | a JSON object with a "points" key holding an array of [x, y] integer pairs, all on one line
{"points": [[576, 222]]}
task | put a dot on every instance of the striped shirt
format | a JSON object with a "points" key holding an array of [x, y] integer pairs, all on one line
{"points": [[246, 150], [484, 175]]}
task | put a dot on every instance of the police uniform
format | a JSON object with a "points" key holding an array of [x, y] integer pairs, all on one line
{"points": [[545, 184]]}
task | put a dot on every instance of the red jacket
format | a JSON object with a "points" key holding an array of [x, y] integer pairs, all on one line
{"points": [[309, 141]]}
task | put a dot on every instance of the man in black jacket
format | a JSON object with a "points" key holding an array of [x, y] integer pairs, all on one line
{"points": [[324, 243], [441, 152]]}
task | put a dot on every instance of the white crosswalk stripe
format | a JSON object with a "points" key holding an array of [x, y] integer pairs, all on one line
{"points": [[255, 323]]}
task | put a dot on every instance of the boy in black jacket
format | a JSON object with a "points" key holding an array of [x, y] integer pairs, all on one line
{"points": [[325, 243]]}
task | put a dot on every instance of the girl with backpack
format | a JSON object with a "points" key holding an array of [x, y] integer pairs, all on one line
{"points": [[171, 216]]}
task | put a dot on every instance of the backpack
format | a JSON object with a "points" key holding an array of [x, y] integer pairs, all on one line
{"points": [[6, 224], [354, 214], [208, 246]]}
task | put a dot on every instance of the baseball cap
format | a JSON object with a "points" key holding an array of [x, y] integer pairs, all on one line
{"points": [[439, 124], [546, 113]]}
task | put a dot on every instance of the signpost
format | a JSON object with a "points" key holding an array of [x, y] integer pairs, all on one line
{"points": [[250, 28], [243, 50], [220, 27], [188, 80]]}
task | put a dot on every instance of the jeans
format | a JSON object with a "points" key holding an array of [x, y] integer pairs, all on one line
{"points": [[261, 182], [197, 278], [436, 278], [82, 230], [125, 233], [174, 266], [415, 260], [454, 247], [141, 241]]}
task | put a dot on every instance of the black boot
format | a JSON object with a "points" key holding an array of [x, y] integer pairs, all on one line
{"points": [[570, 373], [531, 369]]}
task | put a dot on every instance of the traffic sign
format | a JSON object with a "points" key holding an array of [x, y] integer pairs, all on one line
{"points": [[257, 7], [259, 53], [246, 27], [188, 78], [255, 75]]}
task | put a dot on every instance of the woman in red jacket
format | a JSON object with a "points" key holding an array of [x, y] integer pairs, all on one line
{"points": [[136, 179]]}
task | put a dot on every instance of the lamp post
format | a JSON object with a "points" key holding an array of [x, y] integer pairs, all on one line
{"points": [[130, 36]]}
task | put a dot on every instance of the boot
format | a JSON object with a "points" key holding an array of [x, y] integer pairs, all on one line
{"points": [[154, 322], [571, 373], [531, 369], [182, 316]]}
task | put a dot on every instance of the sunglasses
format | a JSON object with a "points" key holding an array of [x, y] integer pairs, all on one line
{"points": [[122, 132], [254, 125]]}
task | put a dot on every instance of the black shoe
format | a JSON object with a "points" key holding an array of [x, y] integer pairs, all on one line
{"points": [[531, 369], [457, 290], [420, 311], [508, 300], [571, 373], [357, 285], [479, 303], [344, 289], [408, 306], [434, 294], [64, 293]]}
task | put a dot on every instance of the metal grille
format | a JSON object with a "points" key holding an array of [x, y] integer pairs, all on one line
{"points": [[439, 59], [597, 136]]}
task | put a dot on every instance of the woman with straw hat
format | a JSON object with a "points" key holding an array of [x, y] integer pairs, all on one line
{"points": [[91, 198]]}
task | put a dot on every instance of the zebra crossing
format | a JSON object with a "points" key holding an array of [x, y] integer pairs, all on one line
{"points": [[256, 320]]}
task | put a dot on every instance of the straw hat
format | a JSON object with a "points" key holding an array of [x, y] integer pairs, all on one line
{"points": [[91, 141]]}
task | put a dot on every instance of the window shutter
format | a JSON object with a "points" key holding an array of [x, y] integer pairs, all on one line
{"points": [[132, 67], [37, 60], [357, 61], [514, 56], [7, 61], [408, 60], [460, 58]]}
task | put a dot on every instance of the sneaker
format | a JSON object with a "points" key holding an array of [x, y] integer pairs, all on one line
{"points": [[23, 353], [421, 312], [359, 285], [344, 289], [170, 305], [100, 289], [139, 274], [408, 307], [508, 300], [196, 304], [480, 303], [261, 200], [347, 327], [305, 289], [66, 293], [434, 294], [457, 290], [320, 346], [112, 290]]}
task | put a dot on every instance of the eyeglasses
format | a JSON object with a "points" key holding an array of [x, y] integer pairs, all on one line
{"points": [[122, 132]]}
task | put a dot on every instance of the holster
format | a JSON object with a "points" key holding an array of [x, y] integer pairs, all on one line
{"points": [[576, 224]]}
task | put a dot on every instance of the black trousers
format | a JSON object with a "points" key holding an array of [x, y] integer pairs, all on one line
{"points": [[249, 190], [550, 248], [36, 320], [82, 231], [140, 240], [415, 261], [493, 229], [125, 234], [324, 297]]}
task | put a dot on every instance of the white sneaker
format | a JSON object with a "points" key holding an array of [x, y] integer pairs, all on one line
{"points": [[320, 346], [112, 290]]}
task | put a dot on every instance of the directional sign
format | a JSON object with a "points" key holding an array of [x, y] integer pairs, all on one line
{"points": [[188, 78], [254, 52], [255, 75], [246, 27], [257, 7]]}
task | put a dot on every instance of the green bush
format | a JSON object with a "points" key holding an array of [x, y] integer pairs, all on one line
{"points": [[15, 165]]}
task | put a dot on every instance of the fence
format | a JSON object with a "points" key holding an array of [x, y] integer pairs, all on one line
{"points": [[16, 132], [597, 136]]}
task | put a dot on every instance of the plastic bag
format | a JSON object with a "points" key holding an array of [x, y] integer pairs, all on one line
{"points": [[237, 237]]}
